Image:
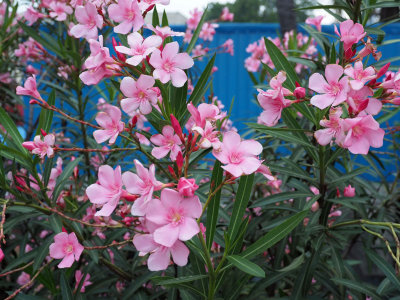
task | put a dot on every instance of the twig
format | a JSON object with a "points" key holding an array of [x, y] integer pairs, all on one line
{"points": [[3, 219], [30, 282], [108, 246], [16, 270]]}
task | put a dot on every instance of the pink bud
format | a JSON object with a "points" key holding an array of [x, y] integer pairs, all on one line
{"points": [[44, 133], [299, 92], [315, 206], [179, 161], [1, 255], [32, 101], [134, 121], [177, 127], [171, 171], [349, 191], [29, 145], [383, 70], [187, 187]]}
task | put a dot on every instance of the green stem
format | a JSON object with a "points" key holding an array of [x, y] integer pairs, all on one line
{"points": [[211, 273]]}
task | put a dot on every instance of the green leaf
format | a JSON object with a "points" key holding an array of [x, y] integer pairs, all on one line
{"points": [[139, 281], [64, 177], [380, 5], [55, 223], [11, 129], [384, 266], [291, 172], [282, 64], [275, 198], [297, 262], [281, 133], [240, 205], [358, 286], [274, 236], [66, 292], [46, 115], [246, 266], [199, 90], [196, 33], [166, 280], [348, 176], [43, 252], [156, 19], [213, 207]]}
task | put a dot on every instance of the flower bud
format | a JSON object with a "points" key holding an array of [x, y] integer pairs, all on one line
{"points": [[349, 191], [187, 187], [299, 92], [44, 133]]}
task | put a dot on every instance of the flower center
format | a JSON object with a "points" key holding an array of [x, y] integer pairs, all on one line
{"points": [[168, 66], [235, 158], [357, 131], [69, 248], [335, 88], [141, 95]]}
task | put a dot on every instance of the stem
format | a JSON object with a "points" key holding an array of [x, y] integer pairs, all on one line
{"points": [[30, 282], [326, 206], [83, 128], [209, 199], [211, 273], [16, 270], [108, 246]]}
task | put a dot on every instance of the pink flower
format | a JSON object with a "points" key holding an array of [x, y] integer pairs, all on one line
{"points": [[99, 63], [60, 10], [143, 184], [139, 48], [107, 191], [168, 141], [208, 31], [195, 17], [209, 136], [266, 172], [362, 132], [226, 15], [175, 216], [187, 187], [203, 113], [333, 90], [29, 88], [126, 12], [359, 101], [315, 21], [160, 255], [349, 191], [110, 122], [333, 128], [140, 93], [1, 255], [41, 148], [32, 15], [163, 32], [147, 3], [228, 46], [239, 157], [169, 64], [67, 247], [359, 75], [350, 33], [23, 279], [78, 278], [273, 101], [89, 20]]}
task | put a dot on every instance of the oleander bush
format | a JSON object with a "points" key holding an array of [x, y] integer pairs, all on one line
{"points": [[130, 181]]}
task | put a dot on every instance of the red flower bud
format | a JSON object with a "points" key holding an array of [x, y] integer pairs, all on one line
{"points": [[383, 70], [179, 162], [177, 127], [44, 133], [32, 101], [120, 56], [299, 92], [134, 121], [171, 171]]}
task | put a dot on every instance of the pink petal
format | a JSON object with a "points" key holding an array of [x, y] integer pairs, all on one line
{"points": [[67, 261], [322, 101], [167, 235], [188, 229], [157, 214], [317, 83], [192, 207], [178, 77], [159, 260], [333, 73], [180, 253], [144, 243], [160, 152]]}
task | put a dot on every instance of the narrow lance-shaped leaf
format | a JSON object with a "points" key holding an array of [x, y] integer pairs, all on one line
{"points": [[213, 207], [246, 266], [241, 202]]}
